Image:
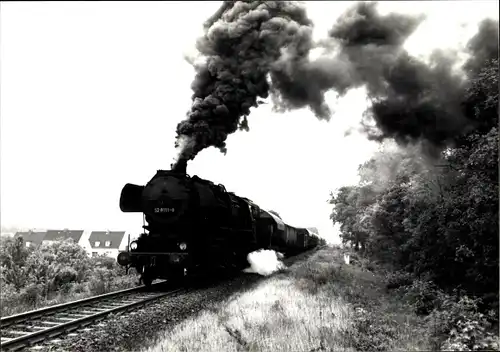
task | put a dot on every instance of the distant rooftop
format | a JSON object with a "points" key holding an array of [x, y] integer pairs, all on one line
{"points": [[99, 239], [35, 237], [53, 235]]}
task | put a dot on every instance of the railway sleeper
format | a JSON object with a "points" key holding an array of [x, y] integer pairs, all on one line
{"points": [[16, 326], [128, 302], [25, 327], [53, 323], [102, 308], [91, 309], [111, 305], [15, 332], [77, 316], [106, 308], [71, 312], [89, 313], [64, 319], [39, 327]]}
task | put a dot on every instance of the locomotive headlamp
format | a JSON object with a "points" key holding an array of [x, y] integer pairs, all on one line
{"points": [[133, 246], [183, 246], [123, 259]]}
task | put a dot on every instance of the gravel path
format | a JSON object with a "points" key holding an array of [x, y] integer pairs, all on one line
{"points": [[139, 329]]}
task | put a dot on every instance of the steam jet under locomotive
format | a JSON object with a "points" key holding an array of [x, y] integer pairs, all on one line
{"points": [[194, 225]]}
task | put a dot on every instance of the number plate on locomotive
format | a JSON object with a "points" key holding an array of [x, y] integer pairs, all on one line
{"points": [[164, 210]]}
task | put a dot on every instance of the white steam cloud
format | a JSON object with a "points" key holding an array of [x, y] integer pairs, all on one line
{"points": [[180, 144], [264, 262]]}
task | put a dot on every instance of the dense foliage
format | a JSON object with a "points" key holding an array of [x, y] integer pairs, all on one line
{"points": [[53, 273], [435, 219]]}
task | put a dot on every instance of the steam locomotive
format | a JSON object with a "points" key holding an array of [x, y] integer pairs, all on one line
{"points": [[195, 225]]}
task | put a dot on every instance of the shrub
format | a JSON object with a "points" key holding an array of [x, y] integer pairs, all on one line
{"points": [[369, 331], [397, 279], [54, 273], [79, 288], [423, 295], [460, 326], [31, 295]]}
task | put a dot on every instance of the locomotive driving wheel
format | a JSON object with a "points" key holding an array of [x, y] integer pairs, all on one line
{"points": [[176, 276], [147, 278]]}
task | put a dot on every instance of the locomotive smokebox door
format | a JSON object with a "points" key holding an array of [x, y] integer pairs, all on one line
{"points": [[166, 197]]}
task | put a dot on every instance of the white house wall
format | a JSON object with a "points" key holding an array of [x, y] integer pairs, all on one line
{"points": [[112, 253], [124, 243], [84, 242]]}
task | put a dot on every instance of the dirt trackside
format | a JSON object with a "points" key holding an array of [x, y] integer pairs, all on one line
{"points": [[317, 304]]}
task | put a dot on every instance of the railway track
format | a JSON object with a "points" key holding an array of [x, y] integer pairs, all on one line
{"points": [[29, 328]]}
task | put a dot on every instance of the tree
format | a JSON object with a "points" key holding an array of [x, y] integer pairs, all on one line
{"points": [[440, 221], [58, 264]]}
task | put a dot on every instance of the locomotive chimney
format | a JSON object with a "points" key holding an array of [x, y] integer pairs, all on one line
{"points": [[180, 166]]}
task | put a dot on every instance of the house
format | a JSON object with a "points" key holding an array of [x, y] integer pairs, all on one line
{"points": [[56, 235], [31, 238], [107, 243], [95, 243]]}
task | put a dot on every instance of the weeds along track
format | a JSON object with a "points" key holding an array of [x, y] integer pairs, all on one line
{"points": [[25, 329]]}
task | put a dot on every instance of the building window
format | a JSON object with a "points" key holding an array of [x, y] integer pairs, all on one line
{"points": [[97, 243], [107, 243], [94, 254]]}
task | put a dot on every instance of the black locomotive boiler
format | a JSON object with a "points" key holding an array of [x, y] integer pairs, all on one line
{"points": [[195, 225]]}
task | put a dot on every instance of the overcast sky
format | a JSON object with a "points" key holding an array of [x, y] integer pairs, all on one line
{"points": [[91, 93]]}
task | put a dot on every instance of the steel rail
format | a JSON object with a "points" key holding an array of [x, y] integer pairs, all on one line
{"points": [[16, 318], [28, 328]]}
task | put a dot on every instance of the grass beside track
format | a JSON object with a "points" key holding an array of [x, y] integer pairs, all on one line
{"points": [[318, 304]]}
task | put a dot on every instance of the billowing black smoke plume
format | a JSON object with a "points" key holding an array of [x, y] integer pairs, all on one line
{"points": [[360, 43], [247, 42], [241, 42], [411, 100], [483, 46]]}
